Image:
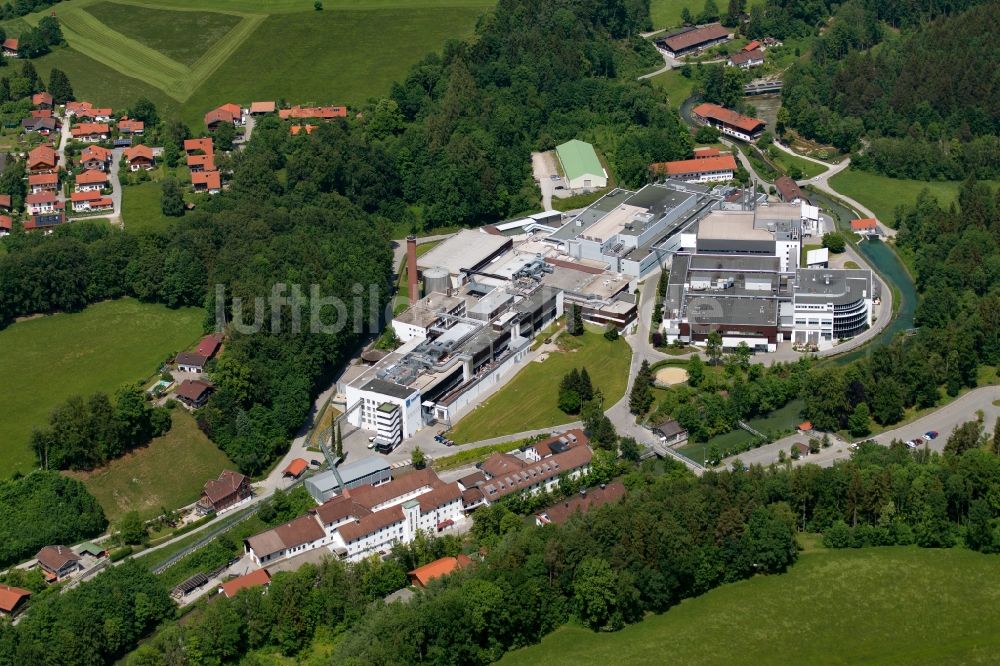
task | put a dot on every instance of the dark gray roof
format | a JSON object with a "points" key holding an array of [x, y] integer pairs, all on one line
{"points": [[388, 388], [829, 285]]}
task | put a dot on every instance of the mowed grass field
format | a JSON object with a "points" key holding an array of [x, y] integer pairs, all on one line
{"points": [[189, 57], [882, 194], [44, 361], [141, 208], [871, 606], [151, 477], [530, 400]]}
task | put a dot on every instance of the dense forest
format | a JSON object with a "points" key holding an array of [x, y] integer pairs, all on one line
{"points": [[91, 624], [925, 97], [45, 508]]}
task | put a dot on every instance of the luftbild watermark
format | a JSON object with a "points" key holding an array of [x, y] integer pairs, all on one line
{"points": [[292, 308]]}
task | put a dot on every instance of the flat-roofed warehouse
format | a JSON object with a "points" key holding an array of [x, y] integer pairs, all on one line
{"points": [[689, 40], [468, 250], [581, 166]]}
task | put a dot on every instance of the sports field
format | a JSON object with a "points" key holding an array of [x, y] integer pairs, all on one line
{"points": [[530, 400], [871, 606], [44, 361], [882, 194], [189, 56], [150, 477]]}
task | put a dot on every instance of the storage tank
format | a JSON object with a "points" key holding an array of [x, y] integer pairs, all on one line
{"points": [[437, 279]]}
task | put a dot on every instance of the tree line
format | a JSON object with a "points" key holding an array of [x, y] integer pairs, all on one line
{"points": [[45, 508], [84, 433], [924, 99]]}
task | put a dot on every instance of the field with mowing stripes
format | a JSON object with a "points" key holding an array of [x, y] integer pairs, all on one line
{"points": [[189, 56]]}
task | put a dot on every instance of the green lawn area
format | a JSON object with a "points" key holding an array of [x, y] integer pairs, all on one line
{"points": [[896, 605], [529, 400], [99, 83], [782, 418], [44, 361], [167, 31], [667, 13], [882, 194], [141, 208], [677, 86], [806, 168], [189, 56], [149, 478]]}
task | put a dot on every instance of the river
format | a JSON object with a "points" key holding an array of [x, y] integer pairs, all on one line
{"points": [[888, 265]]}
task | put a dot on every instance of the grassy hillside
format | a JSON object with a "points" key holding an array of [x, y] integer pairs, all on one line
{"points": [[190, 56], [875, 606], [529, 400], [149, 477], [882, 194], [45, 360]]}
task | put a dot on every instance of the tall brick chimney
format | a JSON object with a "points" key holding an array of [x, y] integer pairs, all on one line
{"points": [[411, 268]]}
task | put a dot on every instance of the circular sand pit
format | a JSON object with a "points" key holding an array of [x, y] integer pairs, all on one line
{"points": [[671, 375]]}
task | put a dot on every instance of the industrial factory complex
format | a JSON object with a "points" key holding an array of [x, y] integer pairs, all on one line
{"points": [[479, 298]]}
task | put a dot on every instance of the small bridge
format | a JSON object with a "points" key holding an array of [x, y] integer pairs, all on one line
{"points": [[762, 87]]}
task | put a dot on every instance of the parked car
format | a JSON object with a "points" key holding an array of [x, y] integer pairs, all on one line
{"points": [[554, 176], [371, 443], [315, 463], [931, 434]]}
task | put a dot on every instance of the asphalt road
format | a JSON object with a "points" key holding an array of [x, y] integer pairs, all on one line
{"points": [[944, 420]]}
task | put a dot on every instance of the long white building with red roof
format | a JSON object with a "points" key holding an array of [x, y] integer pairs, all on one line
{"points": [[365, 521]]}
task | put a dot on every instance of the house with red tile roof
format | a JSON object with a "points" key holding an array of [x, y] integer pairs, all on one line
{"points": [[746, 59], [196, 146], [197, 163], [12, 598], [58, 562], [220, 494], [581, 503], [752, 46], [194, 392], [10, 47], [43, 182], [227, 113], [5, 201], [706, 151], [313, 112], [89, 201], [867, 226], [93, 113], [139, 157], [41, 113], [207, 181], [699, 170], [42, 159], [729, 122], [91, 132], [131, 127], [95, 157], [257, 578], [260, 108], [421, 576], [41, 202], [6, 224], [91, 180], [42, 100]]}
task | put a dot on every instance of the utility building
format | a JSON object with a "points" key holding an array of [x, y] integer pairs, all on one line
{"points": [[581, 166]]}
